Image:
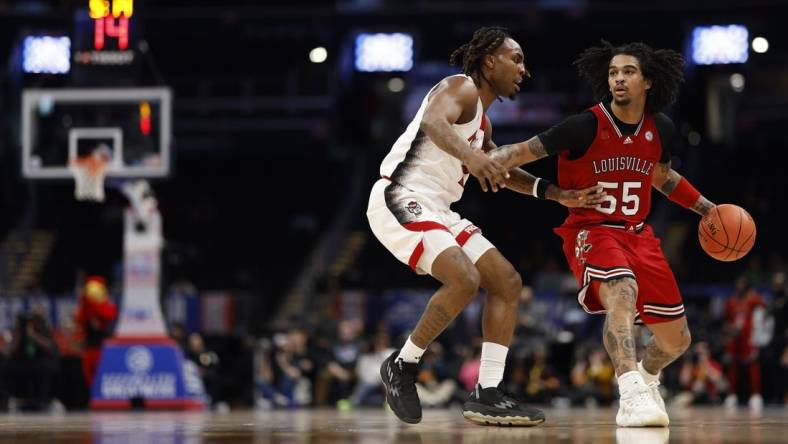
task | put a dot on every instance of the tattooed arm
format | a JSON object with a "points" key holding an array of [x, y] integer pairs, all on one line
{"points": [[519, 180], [454, 101], [523, 182], [666, 180], [519, 153]]}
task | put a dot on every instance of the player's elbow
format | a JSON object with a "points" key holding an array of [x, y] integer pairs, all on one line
{"points": [[429, 124]]}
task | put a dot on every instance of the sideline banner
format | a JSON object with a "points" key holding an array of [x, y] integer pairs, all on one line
{"points": [[146, 374]]}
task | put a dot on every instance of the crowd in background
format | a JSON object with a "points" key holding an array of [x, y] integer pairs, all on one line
{"points": [[739, 354]]}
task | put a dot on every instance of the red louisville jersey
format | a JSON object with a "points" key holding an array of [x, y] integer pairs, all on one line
{"points": [[738, 314], [622, 164]]}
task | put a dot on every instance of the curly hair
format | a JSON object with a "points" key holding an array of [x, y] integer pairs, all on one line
{"points": [[662, 66], [485, 40]]}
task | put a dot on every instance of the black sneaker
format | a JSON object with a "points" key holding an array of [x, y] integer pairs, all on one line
{"points": [[399, 377], [492, 406]]}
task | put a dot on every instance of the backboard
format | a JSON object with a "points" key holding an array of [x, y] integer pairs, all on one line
{"points": [[132, 125]]}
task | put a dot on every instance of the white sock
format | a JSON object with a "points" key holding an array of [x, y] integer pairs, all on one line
{"points": [[630, 381], [410, 352], [647, 377], [493, 362]]}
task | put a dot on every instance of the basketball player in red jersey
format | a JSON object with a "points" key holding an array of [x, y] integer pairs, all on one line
{"points": [[409, 213], [740, 327], [623, 145]]}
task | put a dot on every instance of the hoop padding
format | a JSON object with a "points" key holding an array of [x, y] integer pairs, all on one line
{"points": [[89, 173]]}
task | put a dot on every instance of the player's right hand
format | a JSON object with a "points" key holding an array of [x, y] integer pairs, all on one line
{"points": [[490, 173]]}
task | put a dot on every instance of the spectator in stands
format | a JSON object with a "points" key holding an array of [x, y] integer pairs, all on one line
{"points": [[592, 378], [33, 362], [434, 383], [776, 370], [70, 387], [207, 362], [533, 324], [266, 395], [178, 334], [542, 382], [740, 310], [335, 380], [469, 371], [95, 314], [293, 367], [368, 390], [701, 378], [6, 337]]}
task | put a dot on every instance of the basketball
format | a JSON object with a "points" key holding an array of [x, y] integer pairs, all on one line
{"points": [[727, 233]]}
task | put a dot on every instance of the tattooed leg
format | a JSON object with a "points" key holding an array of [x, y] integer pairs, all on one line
{"points": [[669, 341], [460, 285], [618, 297]]}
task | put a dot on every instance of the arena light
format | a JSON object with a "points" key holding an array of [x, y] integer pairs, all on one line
{"points": [[712, 45], [737, 82], [46, 55], [384, 52], [396, 85], [760, 45], [318, 55]]}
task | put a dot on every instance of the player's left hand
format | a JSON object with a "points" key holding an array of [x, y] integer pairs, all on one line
{"points": [[585, 198]]}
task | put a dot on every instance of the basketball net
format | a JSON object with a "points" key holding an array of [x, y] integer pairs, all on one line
{"points": [[89, 172]]}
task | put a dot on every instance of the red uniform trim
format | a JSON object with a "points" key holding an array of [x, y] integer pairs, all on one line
{"points": [[152, 404], [414, 258], [419, 250], [125, 340], [424, 226], [466, 234]]}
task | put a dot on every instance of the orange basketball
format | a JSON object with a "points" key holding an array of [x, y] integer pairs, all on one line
{"points": [[727, 232]]}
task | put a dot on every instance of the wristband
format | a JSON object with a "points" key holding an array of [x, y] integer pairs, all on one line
{"points": [[684, 194], [540, 188]]}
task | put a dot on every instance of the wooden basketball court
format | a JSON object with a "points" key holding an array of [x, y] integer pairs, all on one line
{"points": [[696, 425]]}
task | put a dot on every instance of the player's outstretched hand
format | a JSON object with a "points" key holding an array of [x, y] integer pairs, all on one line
{"points": [[585, 198], [489, 172]]}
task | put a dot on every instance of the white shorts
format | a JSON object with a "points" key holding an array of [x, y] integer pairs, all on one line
{"points": [[415, 231]]}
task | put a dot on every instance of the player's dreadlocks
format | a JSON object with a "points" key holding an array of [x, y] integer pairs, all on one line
{"points": [[663, 67], [485, 40]]}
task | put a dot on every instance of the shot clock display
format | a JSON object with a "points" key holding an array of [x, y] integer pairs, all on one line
{"points": [[105, 33]]}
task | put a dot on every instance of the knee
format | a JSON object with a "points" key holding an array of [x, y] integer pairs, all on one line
{"points": [[504, 284], [513, 283], [683, 343], [467, 283], [620, 295], [676, 345]]}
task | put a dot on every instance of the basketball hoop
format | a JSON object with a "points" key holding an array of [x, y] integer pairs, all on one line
{"points": [[89, 172]]}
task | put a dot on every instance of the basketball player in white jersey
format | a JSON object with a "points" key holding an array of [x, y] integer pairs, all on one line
{"points": [[409, 212]]}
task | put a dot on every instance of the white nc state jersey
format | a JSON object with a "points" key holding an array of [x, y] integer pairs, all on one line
{"points": [[417, 164]]}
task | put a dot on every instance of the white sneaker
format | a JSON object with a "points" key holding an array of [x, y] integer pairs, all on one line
{"points": [[756, 402], [731, 402], [639, 409], [653, 387]]}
